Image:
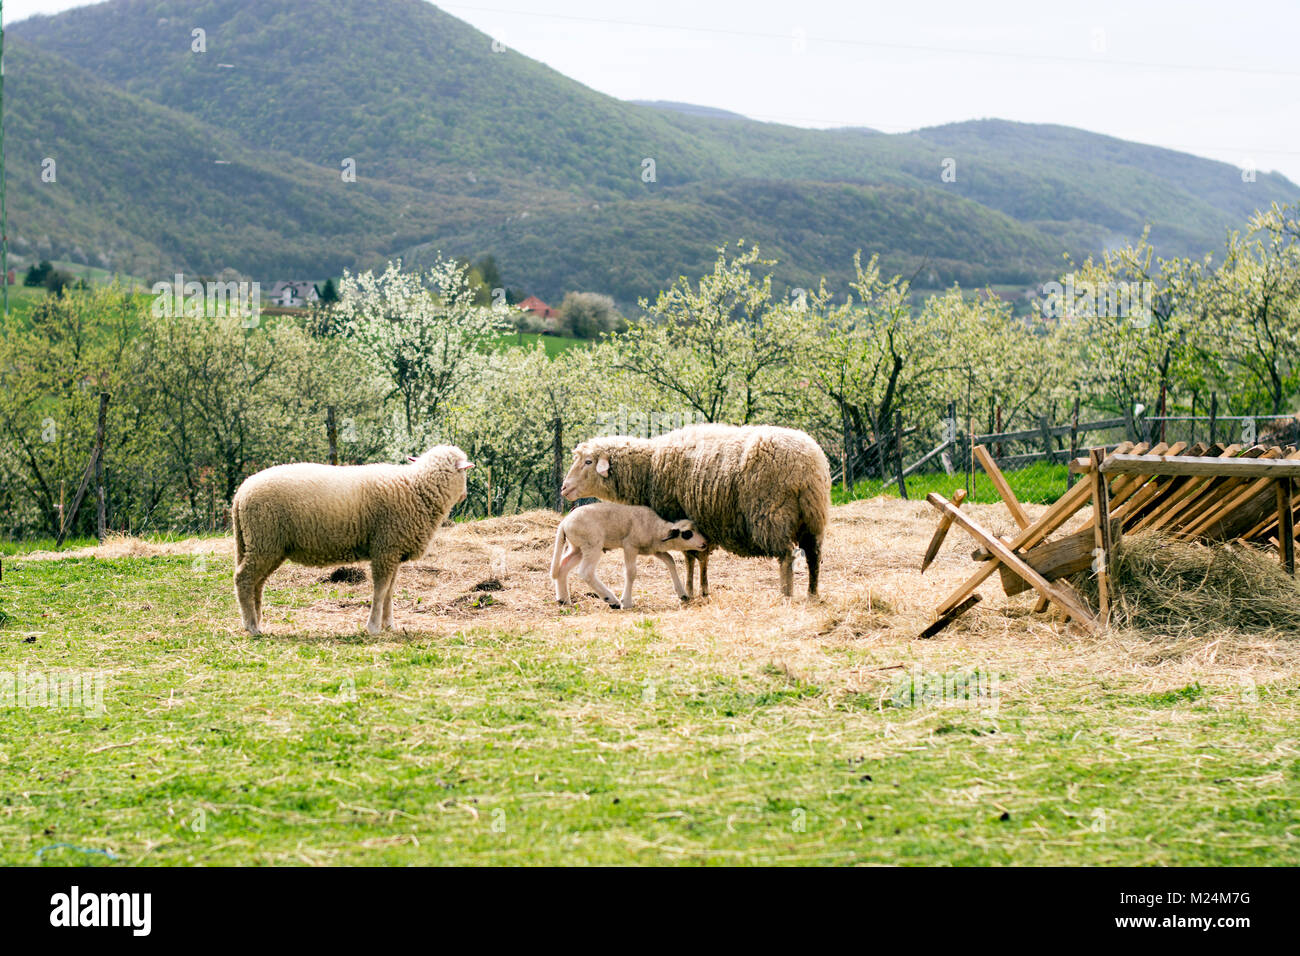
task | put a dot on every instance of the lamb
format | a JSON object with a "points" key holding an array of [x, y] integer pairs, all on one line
{"points": [[323, 515], [756, 490], [596, 528]]}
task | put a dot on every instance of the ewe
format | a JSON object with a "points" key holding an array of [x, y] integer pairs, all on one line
{"points": [[322, 515], [596, 528], [757, 490]]}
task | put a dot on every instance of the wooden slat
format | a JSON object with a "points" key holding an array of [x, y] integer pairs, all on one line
{"points": [[1008, 556], [1000, 483], [1216, 467], [1053, 518], [1219, 493], [946, 619], [940, 533], [1233, 497], [1101, 531], [1286, 525]]}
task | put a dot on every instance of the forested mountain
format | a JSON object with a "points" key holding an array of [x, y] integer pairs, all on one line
{"points": [[231, 157]]}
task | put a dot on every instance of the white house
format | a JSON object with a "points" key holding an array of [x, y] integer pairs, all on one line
{"points": [[291, 293]]}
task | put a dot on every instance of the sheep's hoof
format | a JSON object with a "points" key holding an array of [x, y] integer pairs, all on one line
{"points": [[614, 605], [686, 598]]}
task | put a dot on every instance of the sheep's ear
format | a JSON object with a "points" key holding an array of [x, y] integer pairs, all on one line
{"points": [[464, 465], [602, 467], [676, 532]]}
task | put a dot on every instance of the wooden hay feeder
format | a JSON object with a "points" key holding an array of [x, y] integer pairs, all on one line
{"points": [[1210, 493]]}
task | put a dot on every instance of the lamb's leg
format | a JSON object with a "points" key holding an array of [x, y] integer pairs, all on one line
{"points": [[787, 574], [587, 571], [629, 575], [382, 572], [567, 564], [667, 559]]}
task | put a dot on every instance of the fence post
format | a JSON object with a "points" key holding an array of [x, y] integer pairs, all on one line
{"points": [[332, 435], [1163, 414], [1214, 414], [1049, 453], [557, 473], [101, 494], [1074, 443], [898, 454]]}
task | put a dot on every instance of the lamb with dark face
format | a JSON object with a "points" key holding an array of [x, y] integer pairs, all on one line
{"points": [[594, 529]]}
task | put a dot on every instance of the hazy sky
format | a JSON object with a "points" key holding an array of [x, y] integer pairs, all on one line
{"points": [[1216, 79]]}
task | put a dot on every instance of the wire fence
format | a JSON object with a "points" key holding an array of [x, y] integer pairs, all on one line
{"points": [[908, 461]]}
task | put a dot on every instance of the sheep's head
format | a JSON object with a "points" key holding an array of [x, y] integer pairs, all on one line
{"points": [[684, 536], [588, 477], [448, 458]]}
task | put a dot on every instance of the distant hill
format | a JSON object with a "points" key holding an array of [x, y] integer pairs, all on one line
{"points": [[465, 150]]}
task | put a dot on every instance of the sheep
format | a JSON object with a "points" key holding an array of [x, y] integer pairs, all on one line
{"points": [[596, 528], [324, 515], [755, 490]]}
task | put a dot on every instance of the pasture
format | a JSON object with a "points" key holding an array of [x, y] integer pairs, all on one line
{"points": [[496, 728]]}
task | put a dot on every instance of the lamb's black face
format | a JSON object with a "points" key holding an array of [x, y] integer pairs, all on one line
{"points": [[685, 536]]}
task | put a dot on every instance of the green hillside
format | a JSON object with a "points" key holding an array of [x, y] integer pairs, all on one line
{"points": [[463, 150]]}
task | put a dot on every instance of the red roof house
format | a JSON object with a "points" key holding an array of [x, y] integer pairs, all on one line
{"points": [[538, 307]]}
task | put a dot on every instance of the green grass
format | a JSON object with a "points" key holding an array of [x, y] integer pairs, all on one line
{"points": [[11, 548], [1039, 483], [500, 746], [554, 344]]}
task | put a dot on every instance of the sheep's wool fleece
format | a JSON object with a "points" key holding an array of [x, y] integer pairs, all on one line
{"points": [[749, 489], [328, 514]]}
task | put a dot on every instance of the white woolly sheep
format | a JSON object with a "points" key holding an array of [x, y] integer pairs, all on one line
{"points": [[323, 515], [593, 529], [755, 490]]}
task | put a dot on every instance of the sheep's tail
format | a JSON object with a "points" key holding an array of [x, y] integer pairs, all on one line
{"points": [[239, 534], [558, 553]]}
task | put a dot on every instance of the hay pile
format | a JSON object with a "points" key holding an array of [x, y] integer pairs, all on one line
{"points": [[1169, 586]]}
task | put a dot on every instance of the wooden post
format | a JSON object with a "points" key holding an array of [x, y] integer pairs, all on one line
{"points": [[1214, 414], [1163, 413], [898, 455], [1101, 532], [1049, 454], [997, 449], [101, 495], [1285, 525], [557, 471], [332, 435], [1074, 443]]}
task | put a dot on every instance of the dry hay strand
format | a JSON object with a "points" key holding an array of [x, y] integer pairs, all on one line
{"points": [[1180, 593]]}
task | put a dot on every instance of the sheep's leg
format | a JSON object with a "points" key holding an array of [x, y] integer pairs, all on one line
{"points": [[567, 564], [388, 603], [587, 571], [812, 551], [629, 576], [250, 577], [690, 574], [704, 572], [787, 574], [383, 573], [667, 559]]}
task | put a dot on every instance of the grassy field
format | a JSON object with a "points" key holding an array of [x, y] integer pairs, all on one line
{"points": [[554, 344], [497, 728], [1039, 482]]}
